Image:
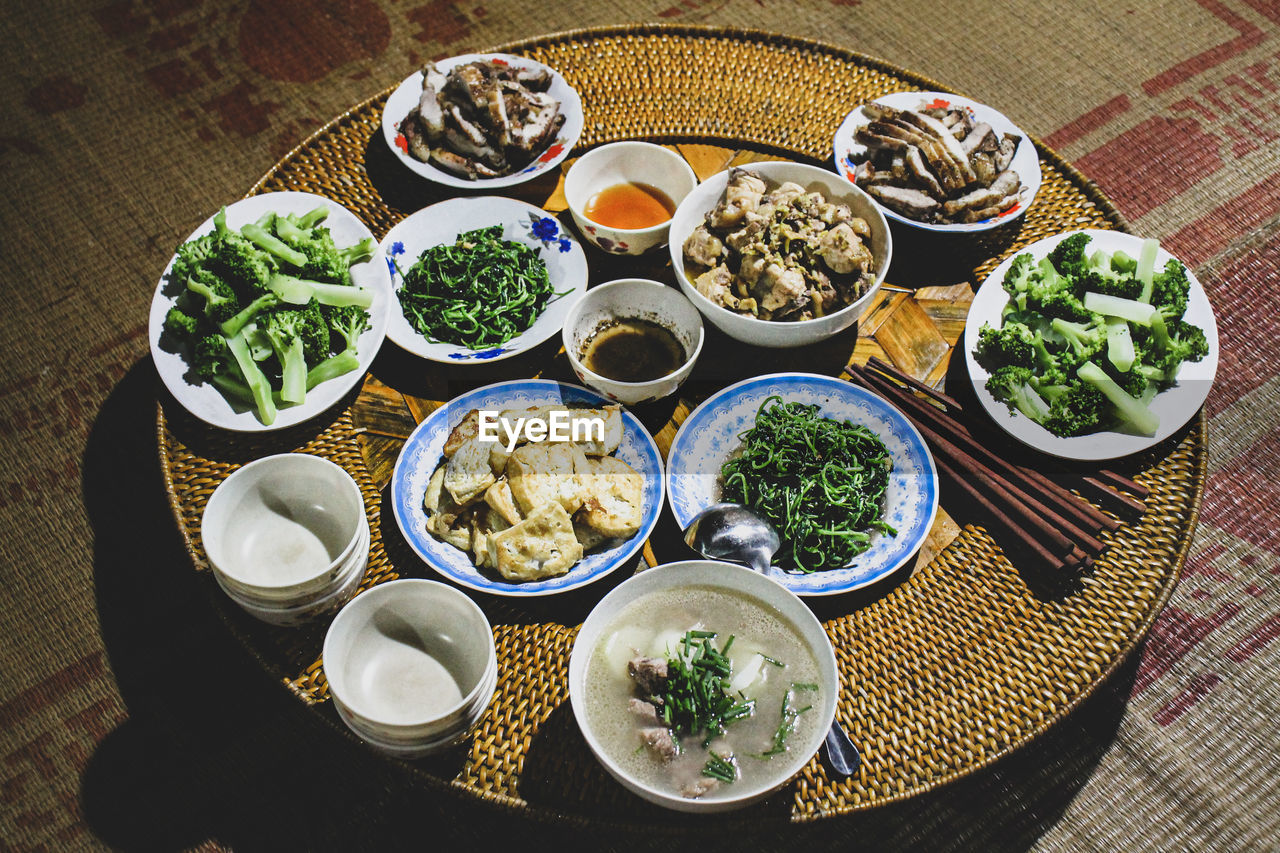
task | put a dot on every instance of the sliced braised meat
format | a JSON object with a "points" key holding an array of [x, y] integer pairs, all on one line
{"points": [[906, 201], [1008, 182], [702, 247], [915, 162]]}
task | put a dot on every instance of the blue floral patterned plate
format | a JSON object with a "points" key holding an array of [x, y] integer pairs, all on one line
{"points": [[521, 223], [423, 452], [711, 434]]}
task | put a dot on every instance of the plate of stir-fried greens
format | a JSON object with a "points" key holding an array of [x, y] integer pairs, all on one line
{"points": [[270, 311], [480, 279], [842, 475]]}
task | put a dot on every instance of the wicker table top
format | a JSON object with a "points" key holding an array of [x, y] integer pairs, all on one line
{"points": [[946, 667]]}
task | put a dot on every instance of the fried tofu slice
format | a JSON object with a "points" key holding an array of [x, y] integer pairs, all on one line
{"points": [[538, 473], [466, 429], [467, 473], [499, 498], [614, 504], [541, 546], [613, 428], [442, 510], [484, 525]]}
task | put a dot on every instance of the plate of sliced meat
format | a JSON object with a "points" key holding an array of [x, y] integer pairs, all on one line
{"points": [[482, 120], [939, 162]]}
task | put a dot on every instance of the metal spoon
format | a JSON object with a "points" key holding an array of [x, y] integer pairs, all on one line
{"points": [[729, 531]]}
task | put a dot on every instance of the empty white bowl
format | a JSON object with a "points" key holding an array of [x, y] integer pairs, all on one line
{"points": [[291, 614], [411, 666], [619, 163], [285, 531], [780, 333], [633, 299]]}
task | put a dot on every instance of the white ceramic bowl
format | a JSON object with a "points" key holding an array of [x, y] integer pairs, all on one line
{"points": [[309, 608], [847, 153], [633, 299], [738, 580], [619, 163], [406, 97], [768, 333], [411, 665], [282, 530]]}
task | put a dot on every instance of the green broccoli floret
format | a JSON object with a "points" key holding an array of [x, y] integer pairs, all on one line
{"points": [[1083, 341], [1170, 289], [346, 323], [220, 301], [1172, 343], [248, 269], [1012, 385], [1102, 276], [289, 330], [181, 325], [1012, 343], [191, 256], [1079, 409], [1069, 258], [1018, 278]]}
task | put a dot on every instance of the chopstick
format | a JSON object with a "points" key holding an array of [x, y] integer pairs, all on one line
{"points": [[1056, 528]]}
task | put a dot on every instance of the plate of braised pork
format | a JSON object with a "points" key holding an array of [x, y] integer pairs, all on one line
{"points": [[482, 120], [938, 161]]}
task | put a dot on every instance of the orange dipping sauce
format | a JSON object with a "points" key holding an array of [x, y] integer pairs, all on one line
{"points": [[630, 206]]}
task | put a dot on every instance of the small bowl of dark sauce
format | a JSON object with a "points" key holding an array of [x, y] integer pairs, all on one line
{"points": [[633, 340]]}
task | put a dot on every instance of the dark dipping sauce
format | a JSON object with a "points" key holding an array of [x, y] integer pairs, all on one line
{"points": [[632, 350]]}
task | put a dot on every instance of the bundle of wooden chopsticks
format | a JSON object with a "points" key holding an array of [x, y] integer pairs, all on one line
{"points": [[1055, 524]]}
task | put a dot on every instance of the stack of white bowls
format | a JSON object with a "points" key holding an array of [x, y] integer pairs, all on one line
{"points": [[411, 666], [287, 537]]}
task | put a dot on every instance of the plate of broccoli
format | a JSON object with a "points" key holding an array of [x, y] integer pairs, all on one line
{"points": [[270, 311], [1091, 345]]}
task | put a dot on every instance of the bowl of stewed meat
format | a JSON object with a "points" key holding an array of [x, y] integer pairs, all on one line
{"points": [[779, 254]]}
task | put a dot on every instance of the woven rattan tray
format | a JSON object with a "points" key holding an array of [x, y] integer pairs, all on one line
{"points": [[945, 669]]}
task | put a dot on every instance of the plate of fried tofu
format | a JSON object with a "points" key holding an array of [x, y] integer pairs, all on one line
{"points": [[530, 487]]}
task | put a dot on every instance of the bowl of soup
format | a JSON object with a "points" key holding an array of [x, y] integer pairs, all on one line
{"points": [[703, 686], [622, 195], [634, 340]]}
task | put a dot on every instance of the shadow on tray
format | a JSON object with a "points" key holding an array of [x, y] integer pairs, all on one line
{"points": [[215, 748]]}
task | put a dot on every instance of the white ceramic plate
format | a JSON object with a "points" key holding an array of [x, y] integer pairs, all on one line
{"points": [[406, 96], [1174, 406], [848, 153], [711, 434], [423, 451], [441, 223], [204, 400]]}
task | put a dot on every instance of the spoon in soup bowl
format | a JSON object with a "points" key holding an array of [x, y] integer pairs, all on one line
{"points": [[733, 532]]}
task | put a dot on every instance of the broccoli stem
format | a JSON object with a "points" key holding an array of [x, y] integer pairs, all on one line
{"points": [[1132, 411], [299, 291], [254, 378], [1115, 306], [293, 369], [1147, 268], [268, 242], [244, 315], [336, 365], [1120, 350], [312, 218]]}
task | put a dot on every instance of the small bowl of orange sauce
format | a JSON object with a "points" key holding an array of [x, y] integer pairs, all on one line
{"points": [[622, 195]]}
